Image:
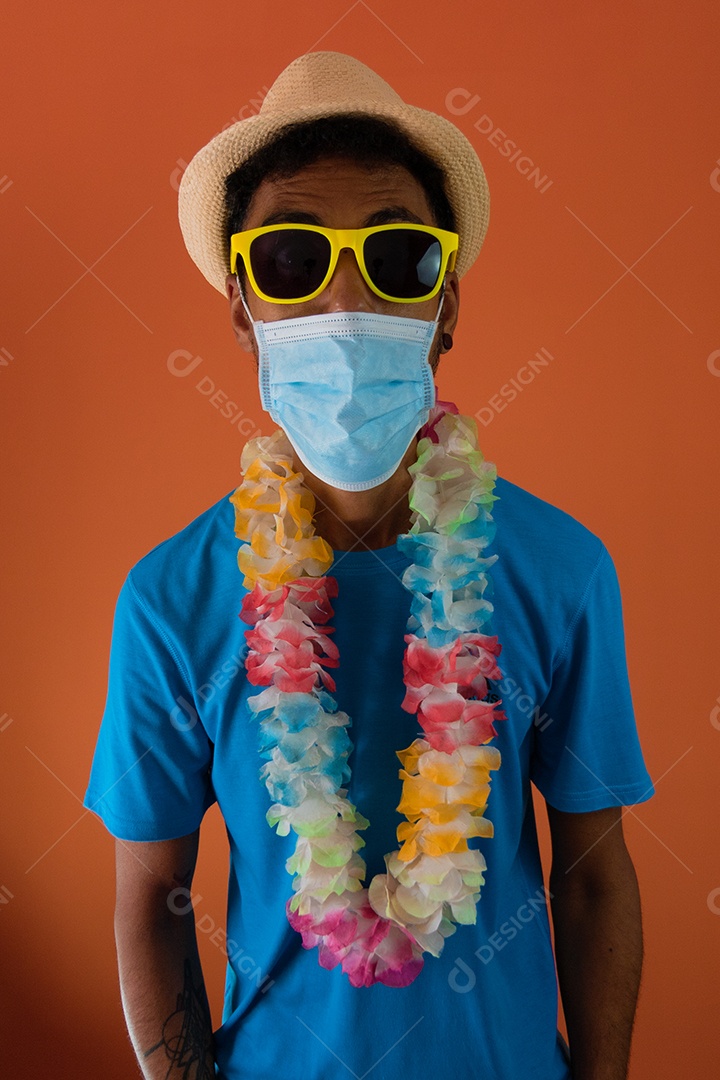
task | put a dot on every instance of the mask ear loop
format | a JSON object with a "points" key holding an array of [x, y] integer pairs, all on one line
{"points": [[446, 339], [242, 297], [442, 301]]}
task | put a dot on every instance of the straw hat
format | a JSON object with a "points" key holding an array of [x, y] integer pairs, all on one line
{"points": [[324, 84]]}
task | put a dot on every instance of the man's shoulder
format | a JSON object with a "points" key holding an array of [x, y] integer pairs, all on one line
{"points": [[548, 561], [531, 528], [186, 562]]}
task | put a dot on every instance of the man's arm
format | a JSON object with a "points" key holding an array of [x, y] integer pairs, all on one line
{"points": [[161, 981], [598, 938]]}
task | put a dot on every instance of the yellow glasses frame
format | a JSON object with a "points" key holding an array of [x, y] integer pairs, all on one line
{"points": [[340, 239]]}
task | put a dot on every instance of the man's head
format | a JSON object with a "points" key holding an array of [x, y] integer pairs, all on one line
{"points": [[349, 171], [350, 216]]}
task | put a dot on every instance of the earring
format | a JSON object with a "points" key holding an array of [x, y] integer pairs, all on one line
{"points": [[447, 342]]}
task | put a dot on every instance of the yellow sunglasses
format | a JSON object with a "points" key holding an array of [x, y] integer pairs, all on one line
{"points": [[288, 264]]}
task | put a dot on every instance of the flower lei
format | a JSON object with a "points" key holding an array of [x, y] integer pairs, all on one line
{"points": [[379, 933]]}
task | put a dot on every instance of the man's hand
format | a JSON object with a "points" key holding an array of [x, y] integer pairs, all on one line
{"points": [[598, 938], [161, 980]]}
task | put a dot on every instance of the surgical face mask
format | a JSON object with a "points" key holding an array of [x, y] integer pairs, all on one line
{"points": [[349, 389]]}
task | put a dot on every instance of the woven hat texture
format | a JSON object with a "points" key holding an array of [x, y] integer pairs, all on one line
{"points": [[326, 84]]}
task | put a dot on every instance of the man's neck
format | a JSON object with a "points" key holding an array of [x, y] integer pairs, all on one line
{"points": [[361, 520]]}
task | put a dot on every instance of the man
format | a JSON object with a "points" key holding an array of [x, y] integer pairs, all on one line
{"points": [[338, 223]]}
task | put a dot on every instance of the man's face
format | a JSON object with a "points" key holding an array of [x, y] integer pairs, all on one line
{"points": [[338, 194]]}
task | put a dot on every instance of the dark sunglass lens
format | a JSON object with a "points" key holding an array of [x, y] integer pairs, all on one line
{"points": [[403, 262], [289, 263]]}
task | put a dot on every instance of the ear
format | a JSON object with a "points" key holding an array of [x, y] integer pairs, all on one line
{"points": [[238, 317], [451, 306]]}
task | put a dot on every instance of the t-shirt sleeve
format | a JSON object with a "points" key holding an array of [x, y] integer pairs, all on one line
{"points": [[587, 753], [150, 776]]}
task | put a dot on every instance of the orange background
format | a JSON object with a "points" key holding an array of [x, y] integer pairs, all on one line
{"points": [[611, 268]]}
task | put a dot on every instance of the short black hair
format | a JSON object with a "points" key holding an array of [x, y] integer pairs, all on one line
{"points": [[368, 140]]}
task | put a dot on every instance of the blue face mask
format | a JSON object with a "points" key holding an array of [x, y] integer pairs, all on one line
{"points": [[349, 389]]}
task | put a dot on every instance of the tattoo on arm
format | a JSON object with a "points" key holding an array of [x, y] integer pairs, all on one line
{"points": [[187, 1033]]}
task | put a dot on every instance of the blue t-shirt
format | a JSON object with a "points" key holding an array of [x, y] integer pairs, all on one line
{"points": [[177, 735]]}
